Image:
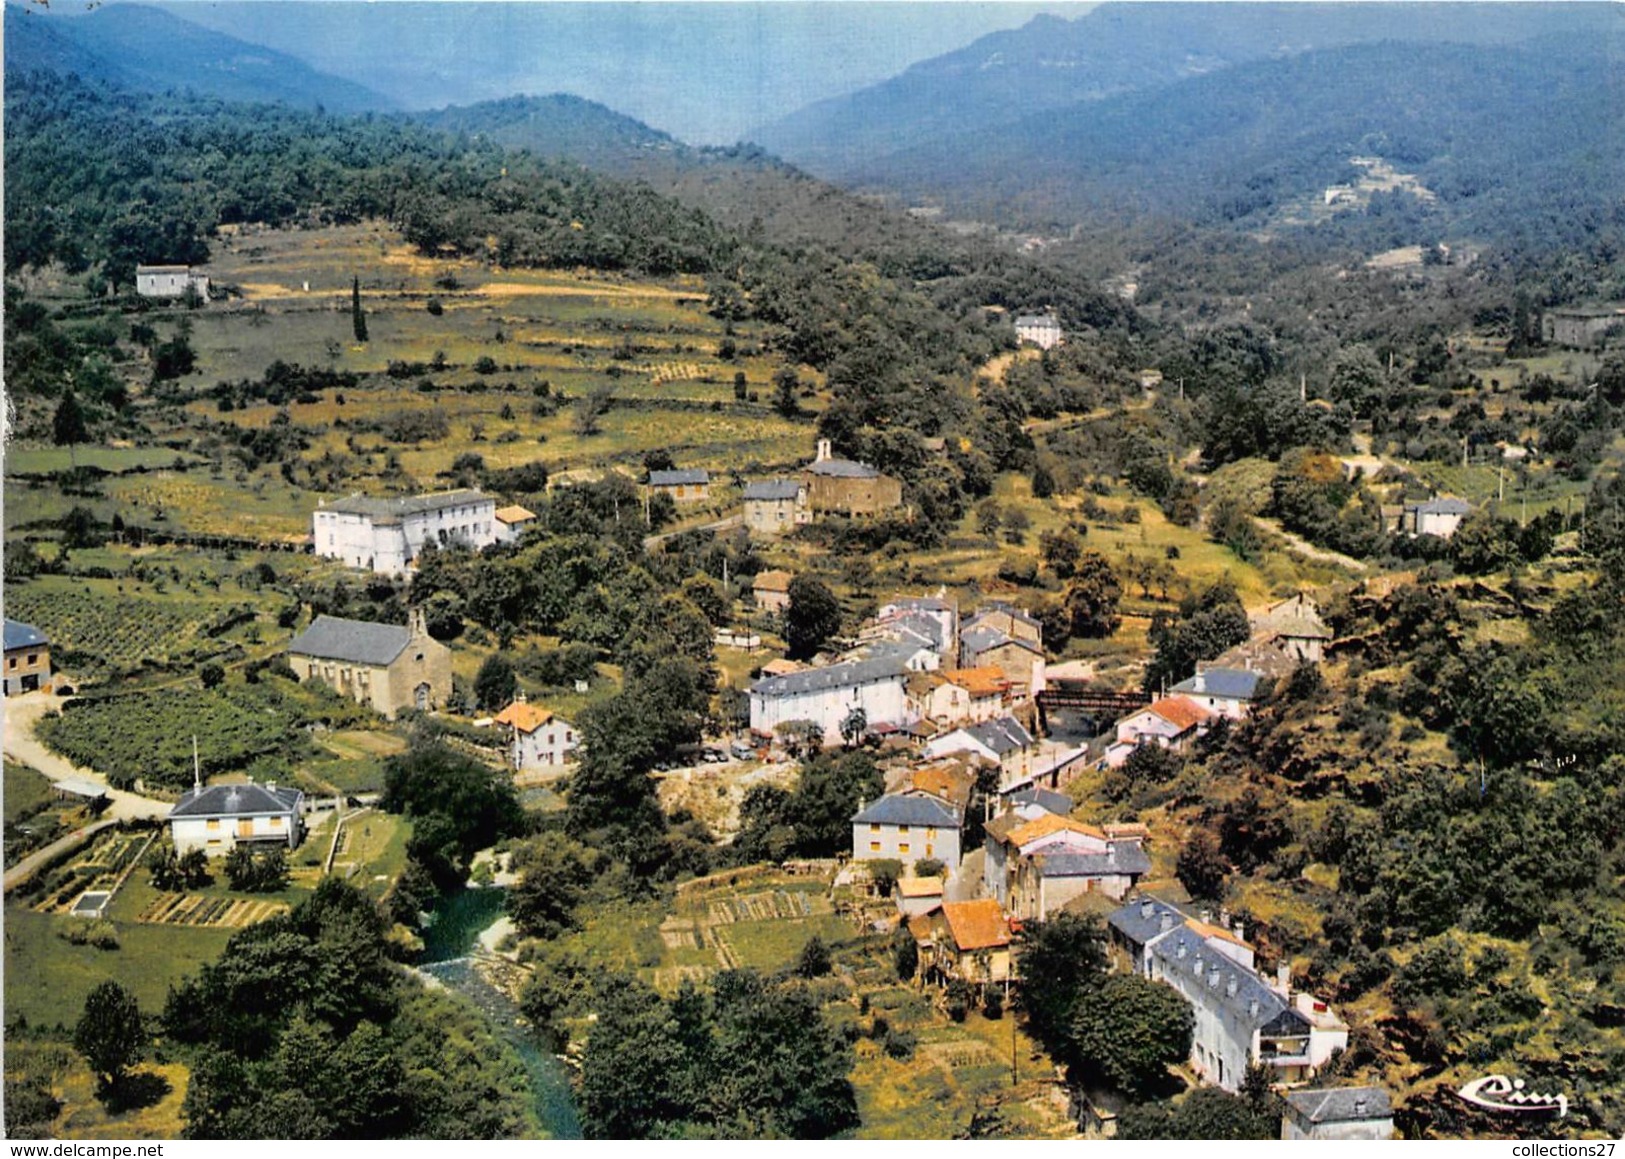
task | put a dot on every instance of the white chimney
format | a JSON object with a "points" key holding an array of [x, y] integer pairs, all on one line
{"points": [[823, 451], [1213, 978], [1224, 917], [1231, 986], [1168, 924], [1283, 979], [1147, 909]]}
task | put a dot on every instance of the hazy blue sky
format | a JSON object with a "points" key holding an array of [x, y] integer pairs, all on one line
{"points": [[705, 72]]}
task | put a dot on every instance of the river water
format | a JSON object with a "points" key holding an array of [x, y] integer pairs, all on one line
{"points": [[451, 947]]}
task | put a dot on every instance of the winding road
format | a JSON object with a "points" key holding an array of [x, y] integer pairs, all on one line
{"points": [[22, 714]]}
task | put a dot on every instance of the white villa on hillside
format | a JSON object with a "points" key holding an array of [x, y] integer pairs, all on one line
{"points": [[386, 535], [540, 740], [220, 817]]}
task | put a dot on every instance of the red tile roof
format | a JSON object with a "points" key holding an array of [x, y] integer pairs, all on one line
{"points": [[525, 717], [976, 925], [1181, 711]]}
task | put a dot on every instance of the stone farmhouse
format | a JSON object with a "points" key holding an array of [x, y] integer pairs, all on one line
{"points": [[1294, 627], [683, 484], [169, 282], [538, 739], [28, 659], [775, 506], [1240, 1018], [970, 940], [826, 697], [1003, 741], [386, 535], [385, 666], [1438, 517], [981, 645], [772, 590], [843, 487], [219, 818]]}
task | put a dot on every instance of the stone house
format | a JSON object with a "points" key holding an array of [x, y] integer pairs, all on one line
{"points": [[219, 818], [772, 590], [683, 484], [843, 487], [387, 535], [385, 666], [1438, 517], [28, 659], [1009, 619], [1337, 1113], [969, 940], [538, 740], [917, 896], [169, 282], [1020, 659], [932, 698], [1295, 628], [776, 506], [1582, 326], [907, 827], [1036, 865]]}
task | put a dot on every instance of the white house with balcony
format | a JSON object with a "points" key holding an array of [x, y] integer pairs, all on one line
{"points": [[386, 535]]}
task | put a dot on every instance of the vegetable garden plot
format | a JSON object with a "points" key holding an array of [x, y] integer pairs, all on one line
{"points": [[181, 909]]}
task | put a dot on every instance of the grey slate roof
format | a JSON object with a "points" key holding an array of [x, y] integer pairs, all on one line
{"points": [[1047, 799], [1441, 507], [1139, 927], [21, 635], [1002, 734], [237, 801], [920, 604], [1250, 988], [898, 809], [773, 489], [386, 511], [680, 477], [843, 469], [1341, 1104], [354, 641], [1037, 320], [1010, 610], [844, 675], [1127, 858], [1230, 683]]}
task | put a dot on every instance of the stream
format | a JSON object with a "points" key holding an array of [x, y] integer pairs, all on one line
{"points": [[451, 950]]}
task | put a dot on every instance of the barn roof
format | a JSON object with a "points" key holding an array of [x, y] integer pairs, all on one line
{"points": [[354, 641], [237, 801]]}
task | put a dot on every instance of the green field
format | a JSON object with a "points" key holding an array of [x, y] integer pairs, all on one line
{"points": [[116, 460], [26, 791]]}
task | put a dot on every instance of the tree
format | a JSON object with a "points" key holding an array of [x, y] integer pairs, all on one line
{"points": [[1092, 597], [853, 726], [1201, 868], [813, 961], [1060, 960], [1126, 1033], [1061, 551], [495, 683], [811, 618], [110, 1033], [211, 675], [554, 873], [68, 424], [905, 955], [358, 317], [1205, 1113], [785, 386]]}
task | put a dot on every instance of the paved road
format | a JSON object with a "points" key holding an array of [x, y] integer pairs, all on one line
{"points": [[25, 868], [653, 541], [22, 713]]}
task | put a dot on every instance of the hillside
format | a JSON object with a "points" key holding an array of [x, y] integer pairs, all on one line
{"points": [[1492, 136], [1116, 49], [148, 50]]}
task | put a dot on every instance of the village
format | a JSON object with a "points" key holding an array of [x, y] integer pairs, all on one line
{"points": [[979, 734]]}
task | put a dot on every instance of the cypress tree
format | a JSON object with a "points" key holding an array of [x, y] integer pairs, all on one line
{"points": [[356, 315]]}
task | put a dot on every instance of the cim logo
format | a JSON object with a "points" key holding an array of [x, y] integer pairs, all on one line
{"points": [[1497, 1092]]}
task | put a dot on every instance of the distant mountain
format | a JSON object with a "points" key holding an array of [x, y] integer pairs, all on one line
{"points": [[705, 72], [1120, 48], [563, 126], [1496, 138], [142, 48]]}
